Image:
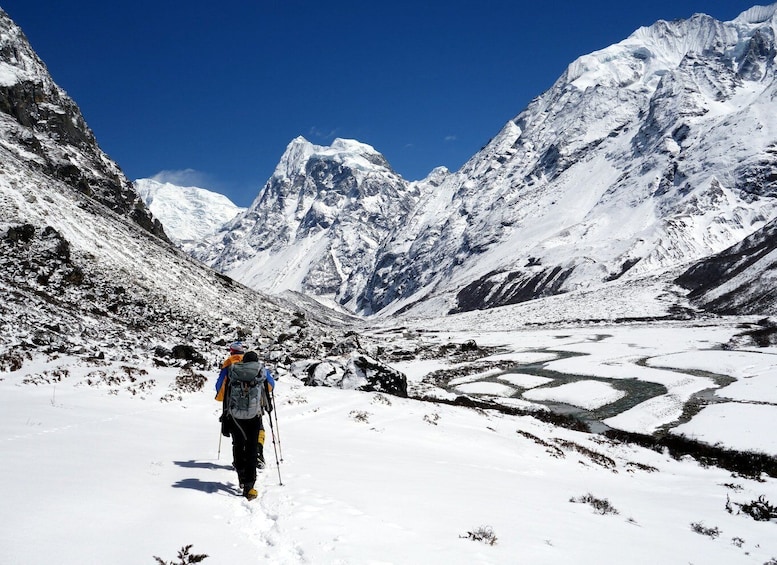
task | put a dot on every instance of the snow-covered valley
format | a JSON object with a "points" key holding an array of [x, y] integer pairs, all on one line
{"points": [[117, 463]]}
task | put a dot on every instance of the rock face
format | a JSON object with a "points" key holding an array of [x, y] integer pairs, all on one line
{"points": [[318, 224], [651, 154], [739, 280], [360, 372], [40, 124]]}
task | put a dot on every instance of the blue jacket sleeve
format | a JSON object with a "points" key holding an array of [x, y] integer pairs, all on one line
{"points": [[222, 376], [270, 379]]}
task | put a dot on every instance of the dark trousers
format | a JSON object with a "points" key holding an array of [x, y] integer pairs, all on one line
{"points": [[244, 449]]}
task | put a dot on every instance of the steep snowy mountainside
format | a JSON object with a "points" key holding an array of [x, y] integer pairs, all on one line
{"points": [[643, 156], [186, 212], [740, 279], [42, 125], [74, 273], [317, 225]]}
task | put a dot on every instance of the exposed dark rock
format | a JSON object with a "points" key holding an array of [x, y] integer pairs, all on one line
{"points": [[187, 353], [23, 233], [359, 372], [50, 125], [740, 271], [380, 377], [498, 289]]}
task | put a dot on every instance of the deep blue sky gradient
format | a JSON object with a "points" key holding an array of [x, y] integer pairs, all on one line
{"points": [[218, 89]]}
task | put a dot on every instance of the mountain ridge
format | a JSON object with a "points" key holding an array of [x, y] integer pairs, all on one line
{"points": [[644, 156], [43, 125]]}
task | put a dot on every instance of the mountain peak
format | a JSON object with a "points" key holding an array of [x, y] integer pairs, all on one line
{"points": [[645, 156], [757, 14], [186, 212], [353, 154]]}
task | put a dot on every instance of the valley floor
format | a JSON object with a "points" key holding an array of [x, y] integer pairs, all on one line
{"points": [[104, 463]]}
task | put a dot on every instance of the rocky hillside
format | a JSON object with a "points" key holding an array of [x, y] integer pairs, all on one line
{"points": [[740, 279], [85, 271], [42, 126]]}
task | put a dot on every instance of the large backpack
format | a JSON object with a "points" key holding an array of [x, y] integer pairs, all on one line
{"points": [[246, 384]]}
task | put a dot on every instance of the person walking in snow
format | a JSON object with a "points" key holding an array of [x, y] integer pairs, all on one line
{"points": [[236, 352], [243, 388]]}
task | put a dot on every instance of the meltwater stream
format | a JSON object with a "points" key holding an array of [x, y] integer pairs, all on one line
{"points": [[636, 391]]}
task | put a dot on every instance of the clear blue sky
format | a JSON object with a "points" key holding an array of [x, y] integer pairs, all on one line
{"points": [[219, 89]]}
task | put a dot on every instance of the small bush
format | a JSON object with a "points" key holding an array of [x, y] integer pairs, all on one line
{"points": [[594, 456], [700, 528], [12, 361], [360, 416], [432, 418], [184, 557], [600, 505], [760, 510], [552, 450], [381, 399], [733, 486], [631, 465], [483, 533], [189, 381]]}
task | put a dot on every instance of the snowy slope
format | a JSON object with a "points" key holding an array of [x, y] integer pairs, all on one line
{"points": [[740, 279], [186, 212], [118, 477], [318, 223], [643, 157], [110, 341], [42, 126]]}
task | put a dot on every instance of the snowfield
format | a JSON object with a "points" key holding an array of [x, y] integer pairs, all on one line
{"points": [[586, 394], [118, 464]]}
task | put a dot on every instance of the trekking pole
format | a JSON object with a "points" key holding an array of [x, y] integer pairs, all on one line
{"points": [[275, 411], [277, 465], [218, 456]]}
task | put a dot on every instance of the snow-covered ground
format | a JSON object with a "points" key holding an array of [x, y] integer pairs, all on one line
{"points": [[128, 467]]}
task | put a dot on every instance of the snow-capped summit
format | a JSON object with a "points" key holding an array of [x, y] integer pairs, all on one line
{"points": [[317, 224], [644, 156], [186, 212], [757, 14], [351, 153]]}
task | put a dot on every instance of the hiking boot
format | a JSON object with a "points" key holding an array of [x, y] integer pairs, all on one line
{"points": [[260, 462], [250, 493]]}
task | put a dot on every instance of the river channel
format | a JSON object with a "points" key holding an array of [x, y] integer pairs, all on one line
{"points": [[636, 391]]}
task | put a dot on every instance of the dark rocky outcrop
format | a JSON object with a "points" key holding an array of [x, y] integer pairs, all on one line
{"points": [[737, 280], [40, 119]]}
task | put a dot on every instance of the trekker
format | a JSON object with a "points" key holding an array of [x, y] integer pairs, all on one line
{"points": [[236, 351], [241, 388]]}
